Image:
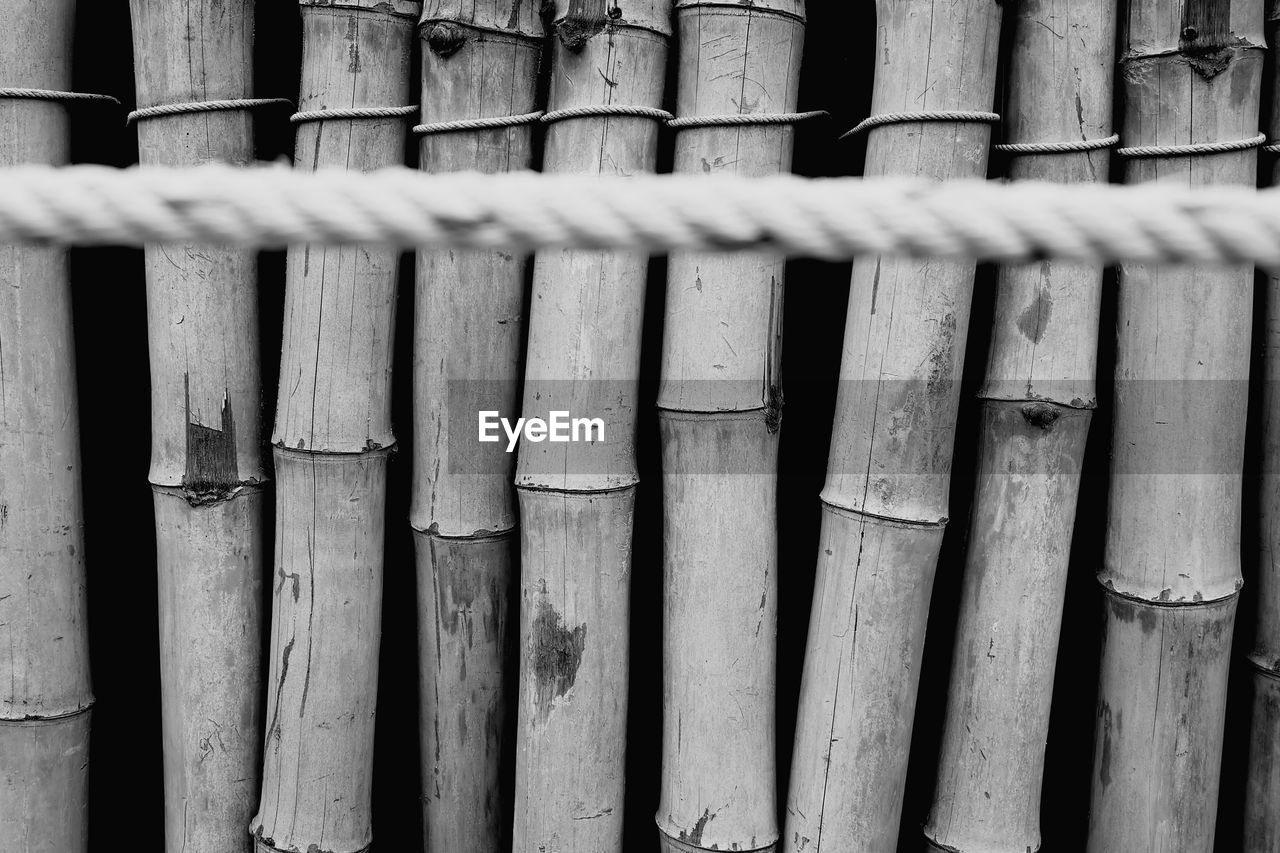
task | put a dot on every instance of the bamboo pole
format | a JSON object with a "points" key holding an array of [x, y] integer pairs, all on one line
{"points": [[45, 701], [885, 501], [331, 441], [719, 411], [576, 499], [478, 61], [1262, 789], [1191, 74], [1037, 398], [207, 472]]}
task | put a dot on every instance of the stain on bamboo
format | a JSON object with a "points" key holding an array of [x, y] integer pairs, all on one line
{"points": [[557, 654]]}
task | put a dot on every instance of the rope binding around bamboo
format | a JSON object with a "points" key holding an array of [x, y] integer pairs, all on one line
{"points": [[56, 96], [204, 107]]}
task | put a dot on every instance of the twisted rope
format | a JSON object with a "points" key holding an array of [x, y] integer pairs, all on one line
{"points": [[606, 110], [1056, 147], [733, 119], [932, 115], [8, 93], [352, 113], [476, 123], [204, 107], [1193, 149], [826, 218]]}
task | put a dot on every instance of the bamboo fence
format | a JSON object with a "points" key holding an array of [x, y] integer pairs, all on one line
{"points": [[534, 730]]}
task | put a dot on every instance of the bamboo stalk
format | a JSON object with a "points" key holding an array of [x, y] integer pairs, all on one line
{"points": [[719, 411], [885, 501], [1038, 398], [207, 472], [577, 499], [1262, 790], [1191, 73], [477, 62], [331, 441], [46, 699]]}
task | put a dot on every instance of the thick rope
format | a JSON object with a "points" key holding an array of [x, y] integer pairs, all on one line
{"points": [[476, 123], [735, 119], [606, 110], [825, 218], [352, 113], [1056, 147], [931, 115], [204, 107], [55, 96], [1192, 149]]}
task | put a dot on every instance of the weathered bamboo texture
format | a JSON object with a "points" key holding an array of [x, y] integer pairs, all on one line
{"points": [[885, 502], [577, 498], [1038, 397], [1262, 792], [1191, 73], [45, 701], [207, 472], [331, 441], [478, 61], [719, 412]]}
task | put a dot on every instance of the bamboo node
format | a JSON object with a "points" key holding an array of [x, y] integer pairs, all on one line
{"points": [[738, 119], [204, 107], [606, 110], [352, 113], [931, 115], [1192, 149], [19, 94], [476, 123], [1056, 147]]}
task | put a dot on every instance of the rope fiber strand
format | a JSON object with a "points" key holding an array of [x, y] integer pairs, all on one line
{"points": [[833, 218]]}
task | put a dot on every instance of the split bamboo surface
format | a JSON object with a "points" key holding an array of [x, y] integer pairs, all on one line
{"points": [[719, 412], [884, 506], [1038, 397], [1190, 73], [577, 499], [44, 669], [331, 442], [1262, 792], [478, 61], [207, 473]]}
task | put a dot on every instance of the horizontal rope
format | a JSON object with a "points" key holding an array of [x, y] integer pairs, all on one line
{"points": [[55, 96], [1192, 149], [733, 119], [490, 123], [838, 218], [931, 115], [352, 113], [1056, 147], [606, 110], [205, 107]]}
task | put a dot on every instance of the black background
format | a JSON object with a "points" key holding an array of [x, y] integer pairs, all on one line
{"points": [[110, 319]]}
